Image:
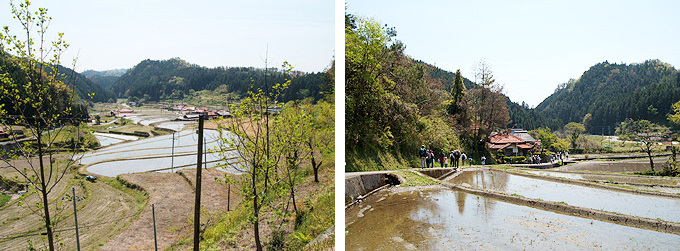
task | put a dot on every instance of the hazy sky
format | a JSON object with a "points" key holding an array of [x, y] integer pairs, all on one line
{"points": [[121, 33], [532, 46]]}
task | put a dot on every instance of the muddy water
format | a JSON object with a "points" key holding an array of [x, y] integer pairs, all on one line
{"points": [[631, 165], [443, 219], [629, 180], [603, 199]]}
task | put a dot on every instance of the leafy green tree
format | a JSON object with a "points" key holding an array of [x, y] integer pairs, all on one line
{"points": [[35, 97], [644, 131], [457, 93], [364, 90], [547, 138], [574, 131], [255, 146], [674, 117], [320, 137], [289, 129]]}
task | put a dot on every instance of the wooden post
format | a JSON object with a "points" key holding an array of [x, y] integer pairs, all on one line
{"points": [[172, 159], [153, 214], [75, 216], [197, 206], [228, 196]]}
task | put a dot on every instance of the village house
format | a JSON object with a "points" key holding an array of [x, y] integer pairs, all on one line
{"points": [[511, 145]]}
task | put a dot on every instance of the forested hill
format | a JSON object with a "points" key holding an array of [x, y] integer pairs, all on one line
{"points": [[613, 92], [85, 86], [173, 78], [104, 78]]}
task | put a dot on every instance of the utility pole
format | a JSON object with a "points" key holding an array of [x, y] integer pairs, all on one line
{"points": [[197, 205], [172, 159]]}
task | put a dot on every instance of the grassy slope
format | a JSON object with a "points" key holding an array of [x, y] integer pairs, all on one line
{"points": [[316, 201]]}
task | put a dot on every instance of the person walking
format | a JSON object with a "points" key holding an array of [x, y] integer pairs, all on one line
{"points": [[431, 157], [456, 157], [423, 156], [442, 158], [483, 160], [451, 159], [463, 157]]}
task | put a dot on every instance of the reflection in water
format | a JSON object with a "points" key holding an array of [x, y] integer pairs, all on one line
{"points": [[410, 219], [576, 195], [460, 200], [158, 153], [668, 181]]}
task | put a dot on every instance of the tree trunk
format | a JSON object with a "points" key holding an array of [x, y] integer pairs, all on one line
{"points": [[649, 153], [43, 186], [316, 169], [256, 222], [292, 195]]}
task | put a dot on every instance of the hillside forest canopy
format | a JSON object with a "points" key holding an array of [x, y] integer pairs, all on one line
{"points": [[156, 80]]}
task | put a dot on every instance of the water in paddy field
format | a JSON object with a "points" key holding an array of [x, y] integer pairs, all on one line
{"points": [[156, 153], [654, 183], [106, 141], [628, 165], [596, 198], [174, 125], [443, 219]]}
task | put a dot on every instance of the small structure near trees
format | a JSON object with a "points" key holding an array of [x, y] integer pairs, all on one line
{"points": [[510, 144]]}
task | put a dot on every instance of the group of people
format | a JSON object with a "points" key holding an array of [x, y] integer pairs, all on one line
{"points": [[427, 158], [535, 159]]}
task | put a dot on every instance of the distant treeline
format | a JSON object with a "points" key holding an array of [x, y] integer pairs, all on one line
{"points": [[156, 80]]}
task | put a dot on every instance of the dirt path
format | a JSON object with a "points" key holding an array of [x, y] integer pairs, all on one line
{"points": [[173, 197], [102, 211]]}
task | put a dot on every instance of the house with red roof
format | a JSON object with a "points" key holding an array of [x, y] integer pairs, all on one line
{"points": [[510, 144]]}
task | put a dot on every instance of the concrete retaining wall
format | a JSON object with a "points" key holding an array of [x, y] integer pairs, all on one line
{"points": [[362, 185], [435, 172]]}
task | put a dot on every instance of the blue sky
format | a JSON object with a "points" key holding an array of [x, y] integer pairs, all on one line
{"points": [[532, 46], [121, 33]]}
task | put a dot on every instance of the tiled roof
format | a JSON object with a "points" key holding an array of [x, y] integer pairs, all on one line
{"points": [[502, 138]]}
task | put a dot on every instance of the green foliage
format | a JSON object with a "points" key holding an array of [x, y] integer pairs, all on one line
{"points": [[522, 116], [35, 97], [674, 117], [84, 86], [644, 131], [278, 241], [414, 179], [4, 199], [514, 159], [574, 131], [457, 92]]}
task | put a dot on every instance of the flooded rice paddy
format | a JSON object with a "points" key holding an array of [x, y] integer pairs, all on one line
{"points": [[156, 154], [107, 140], [652, 183], [596, 198], [629, 165], [443, 219]]}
